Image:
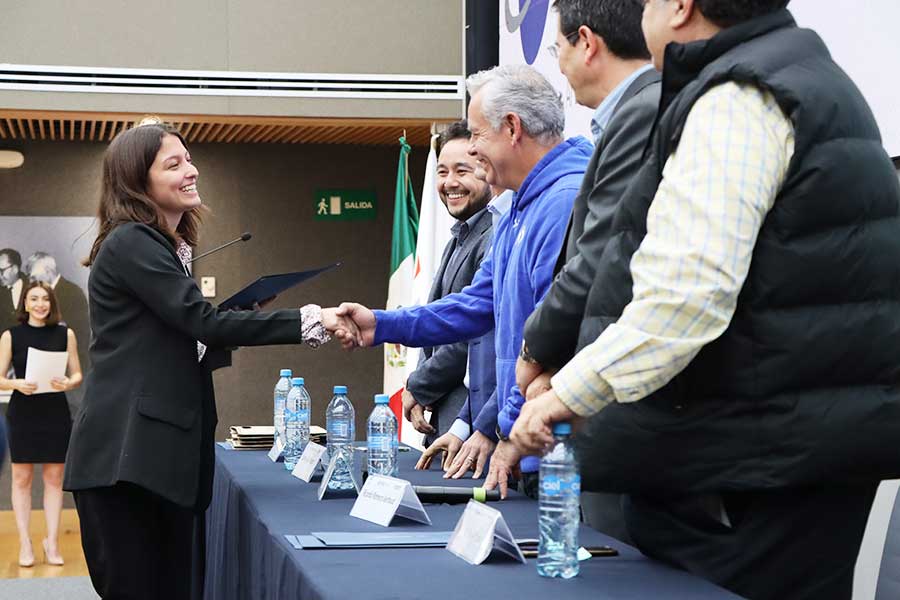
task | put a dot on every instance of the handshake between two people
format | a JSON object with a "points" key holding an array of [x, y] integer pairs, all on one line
{"points": [[353, 325]]}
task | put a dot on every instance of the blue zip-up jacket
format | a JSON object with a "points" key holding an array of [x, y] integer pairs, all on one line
{"points": [[511, 281]]}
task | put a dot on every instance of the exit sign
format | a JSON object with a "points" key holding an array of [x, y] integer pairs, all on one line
{"points": [[344, 205]]}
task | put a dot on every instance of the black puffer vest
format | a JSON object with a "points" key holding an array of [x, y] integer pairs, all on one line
{"points": [[803, 388]]}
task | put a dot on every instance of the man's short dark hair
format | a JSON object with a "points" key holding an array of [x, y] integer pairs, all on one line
{"points": [[727, 13], [458, 130], [13, 255], [618, 22]]}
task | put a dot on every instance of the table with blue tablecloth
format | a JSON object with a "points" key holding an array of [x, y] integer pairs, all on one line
{"points": [[257, 502]]}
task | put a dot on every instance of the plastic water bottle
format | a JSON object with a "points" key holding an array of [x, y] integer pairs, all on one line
{"points": [[381, 438], [340, 421], [282, 387], [296, 423], [560, 488]]}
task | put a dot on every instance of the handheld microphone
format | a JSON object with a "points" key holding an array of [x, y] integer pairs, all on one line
{"points": [[244, 237], [437, 494]]}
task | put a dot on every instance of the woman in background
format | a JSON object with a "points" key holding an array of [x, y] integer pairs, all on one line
{"points": [[141, 458], [39, 424]]}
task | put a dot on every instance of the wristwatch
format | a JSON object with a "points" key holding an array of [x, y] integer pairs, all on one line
{"points": [[500, 436], [524, 355]]}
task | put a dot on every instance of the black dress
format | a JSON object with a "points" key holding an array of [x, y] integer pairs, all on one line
{"points": [[40, 424]]}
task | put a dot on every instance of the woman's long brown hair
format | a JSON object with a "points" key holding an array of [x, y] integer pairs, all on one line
{"points": [[123, 191]]}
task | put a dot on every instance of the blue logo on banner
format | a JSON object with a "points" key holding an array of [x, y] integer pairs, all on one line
{"points": [[530, 22]]}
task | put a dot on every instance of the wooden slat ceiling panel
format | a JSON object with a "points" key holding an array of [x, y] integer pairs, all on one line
{"points": [[303, 135], [103, 127]]}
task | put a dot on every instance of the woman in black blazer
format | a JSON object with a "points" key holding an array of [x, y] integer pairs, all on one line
{"points": [[140, 459]]}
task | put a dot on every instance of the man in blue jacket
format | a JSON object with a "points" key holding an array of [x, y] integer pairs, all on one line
{"points": [[516, 119]]}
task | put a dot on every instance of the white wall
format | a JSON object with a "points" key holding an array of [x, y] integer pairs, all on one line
{"points": [[862, 37]]}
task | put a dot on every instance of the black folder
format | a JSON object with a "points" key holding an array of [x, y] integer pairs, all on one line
{"points": [[270, 285]]}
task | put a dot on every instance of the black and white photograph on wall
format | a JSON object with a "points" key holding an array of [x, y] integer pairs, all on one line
{"points": [[48, 249]]}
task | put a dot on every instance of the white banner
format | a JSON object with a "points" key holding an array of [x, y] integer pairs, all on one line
{"points": [[527, 28]]}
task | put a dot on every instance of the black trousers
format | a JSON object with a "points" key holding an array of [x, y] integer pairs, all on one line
{"points": [[138, 545], [798, 544]]}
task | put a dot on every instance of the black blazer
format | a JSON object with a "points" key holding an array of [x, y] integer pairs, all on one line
{"points": [[148, 415], [437, 381], [552, 330]]}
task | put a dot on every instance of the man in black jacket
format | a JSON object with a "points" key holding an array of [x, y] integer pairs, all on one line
{"points": [[437, 383], [743, 389], [602, 53]]}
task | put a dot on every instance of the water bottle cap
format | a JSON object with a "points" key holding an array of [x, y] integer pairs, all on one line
{"points": [[382, 398], [562, 428], [297, 381], [340, 389], [285, 373]]}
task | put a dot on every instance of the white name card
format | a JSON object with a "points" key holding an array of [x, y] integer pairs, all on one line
{"points": [[479, 530], [329, 473], [276, 451], [383, 497], [308, 462]]}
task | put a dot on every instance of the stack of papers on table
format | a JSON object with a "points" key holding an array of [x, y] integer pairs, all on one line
{"points": [[253, 437], [317, 435], [261, 437]]}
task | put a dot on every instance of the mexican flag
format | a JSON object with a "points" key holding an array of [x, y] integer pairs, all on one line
{"points": [[400, 285]]}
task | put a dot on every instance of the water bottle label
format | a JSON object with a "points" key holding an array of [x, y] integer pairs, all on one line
{"points": [[296, 415], [552, 485], [380, 442], [340, 430]]}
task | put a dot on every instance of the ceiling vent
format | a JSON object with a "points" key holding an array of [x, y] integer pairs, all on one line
{"points": [[43, 78]]}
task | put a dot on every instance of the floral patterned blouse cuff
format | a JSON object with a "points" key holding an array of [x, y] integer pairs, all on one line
{"points": [[312, 331]]}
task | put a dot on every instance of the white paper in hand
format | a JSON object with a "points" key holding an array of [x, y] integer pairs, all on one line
{"points": [[42, 366]]}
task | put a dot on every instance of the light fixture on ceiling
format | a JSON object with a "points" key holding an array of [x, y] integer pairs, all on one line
{"points": [[11, 159]]}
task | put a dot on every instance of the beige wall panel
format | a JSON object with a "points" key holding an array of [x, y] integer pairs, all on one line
{"points": [[169, 34], [346, 36], [315, 36]]}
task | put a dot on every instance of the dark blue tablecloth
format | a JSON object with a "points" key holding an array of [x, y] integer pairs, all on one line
{"points": [[255, 503]]}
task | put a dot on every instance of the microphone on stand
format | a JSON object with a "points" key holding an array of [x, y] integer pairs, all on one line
{"points": [[244, 237]]}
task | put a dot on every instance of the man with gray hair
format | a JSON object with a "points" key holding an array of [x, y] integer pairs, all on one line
{"points": [[516, 119]]}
